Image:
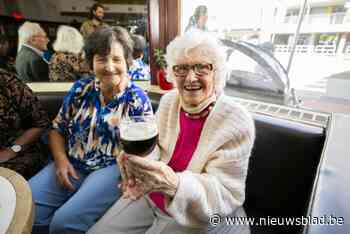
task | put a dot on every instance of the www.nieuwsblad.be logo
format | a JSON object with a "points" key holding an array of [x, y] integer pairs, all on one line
{"points": [[330, 220]]}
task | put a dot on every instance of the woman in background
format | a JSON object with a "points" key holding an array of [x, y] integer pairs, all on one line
{"points": [[67, 63], [199, 19], [139, 70]]}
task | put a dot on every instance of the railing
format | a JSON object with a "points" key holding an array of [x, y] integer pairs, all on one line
{"points": [[308, 49], [318, 19], [298, 48], [325, 49], [335, 18]]}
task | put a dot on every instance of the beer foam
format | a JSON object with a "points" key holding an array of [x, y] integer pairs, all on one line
{"points": [[138, 131]]}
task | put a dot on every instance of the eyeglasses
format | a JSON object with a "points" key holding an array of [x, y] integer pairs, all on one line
{"points": [[199, 69]]}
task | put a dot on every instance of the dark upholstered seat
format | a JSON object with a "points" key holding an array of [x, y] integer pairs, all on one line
{"points": [[282, 170]]}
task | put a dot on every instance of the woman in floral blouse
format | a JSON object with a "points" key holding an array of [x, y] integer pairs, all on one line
{"points": [[67, 63], [22, 120], [73, 192]]}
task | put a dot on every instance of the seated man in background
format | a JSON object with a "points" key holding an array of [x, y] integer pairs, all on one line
{"points": [[22, 120], [139, 69], [32, 42]]}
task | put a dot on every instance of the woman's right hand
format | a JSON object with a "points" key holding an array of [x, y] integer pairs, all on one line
{"points": [[129, 186], [64, 170]]}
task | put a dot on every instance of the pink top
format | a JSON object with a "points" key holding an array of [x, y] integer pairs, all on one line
{"points": [[190, 131]]}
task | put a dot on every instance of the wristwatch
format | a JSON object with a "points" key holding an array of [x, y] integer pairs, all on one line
{"points": [[16, 148]]}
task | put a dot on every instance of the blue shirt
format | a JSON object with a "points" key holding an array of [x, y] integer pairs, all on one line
{"points": [[90, 127], [139, 70]]}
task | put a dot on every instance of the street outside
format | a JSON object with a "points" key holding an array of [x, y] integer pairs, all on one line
{"points": [[308, 75]]}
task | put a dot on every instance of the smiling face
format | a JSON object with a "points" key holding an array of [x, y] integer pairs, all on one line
{"points": [[195, 86], [111, 69]]}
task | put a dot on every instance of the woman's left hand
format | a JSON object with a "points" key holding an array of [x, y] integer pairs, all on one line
{"points": [[154, 175]]}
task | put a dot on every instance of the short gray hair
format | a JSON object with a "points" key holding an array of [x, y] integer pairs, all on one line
{"points": [[209, 47], [69, 40], [26, 32]]}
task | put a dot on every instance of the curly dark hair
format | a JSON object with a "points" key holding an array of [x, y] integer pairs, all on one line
{"points": [[94, 8], [100, 43]]}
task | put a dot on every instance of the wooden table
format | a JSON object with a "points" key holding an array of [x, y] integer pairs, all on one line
{"points": [[13, 184]]}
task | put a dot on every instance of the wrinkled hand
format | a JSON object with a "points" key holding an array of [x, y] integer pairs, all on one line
{"points": [[152, 175], [131, 187], [6, 154], [64, 170]]}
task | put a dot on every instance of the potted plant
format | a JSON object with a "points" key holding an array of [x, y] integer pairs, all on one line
{"points": [[161, 74]]}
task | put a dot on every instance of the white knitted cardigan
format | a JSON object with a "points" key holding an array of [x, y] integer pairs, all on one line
{"points": [[214, 181]]}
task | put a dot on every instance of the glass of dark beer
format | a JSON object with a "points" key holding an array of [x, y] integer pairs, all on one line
{"points": [[138, 134]]}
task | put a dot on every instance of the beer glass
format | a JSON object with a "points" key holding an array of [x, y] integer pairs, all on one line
{"points": [[138, 134]]}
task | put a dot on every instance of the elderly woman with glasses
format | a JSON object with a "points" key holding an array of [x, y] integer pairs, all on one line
{"points": [[200, 164]]}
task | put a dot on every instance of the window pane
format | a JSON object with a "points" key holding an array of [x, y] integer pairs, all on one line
{"points": [[266, 31]]}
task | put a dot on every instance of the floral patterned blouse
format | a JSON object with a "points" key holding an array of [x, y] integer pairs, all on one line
{"points": [[91, 127], [66, 66], [20, 109], [139, 70]]}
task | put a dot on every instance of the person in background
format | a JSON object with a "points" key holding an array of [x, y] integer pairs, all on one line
{"points": [[6, 62], [75, 190], [67, 64], [200, 165], [32, 42], [139, 69], [22, 121], [96, 20], [142, 30], [199, 19]]}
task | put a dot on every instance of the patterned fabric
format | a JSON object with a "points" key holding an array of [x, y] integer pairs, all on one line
{"points": [[7, 64], [19, 111], [66, 66], [91, 127], [139, 70]]}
